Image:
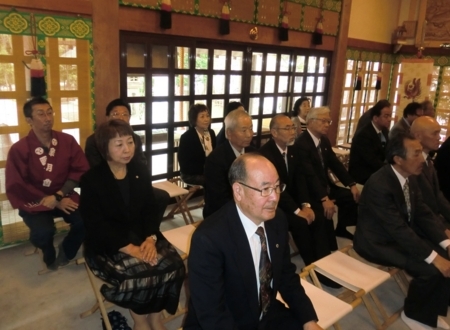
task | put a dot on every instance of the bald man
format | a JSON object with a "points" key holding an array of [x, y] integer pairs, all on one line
{"points": [[427, 131]]}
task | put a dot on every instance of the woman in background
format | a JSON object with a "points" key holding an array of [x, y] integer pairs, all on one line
{"points": [[299, 112]]}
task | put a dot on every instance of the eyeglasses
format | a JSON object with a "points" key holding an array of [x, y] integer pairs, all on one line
{"points": [[288, 128], [42, 114], [118, 114], [324, 121], [267, 191]]}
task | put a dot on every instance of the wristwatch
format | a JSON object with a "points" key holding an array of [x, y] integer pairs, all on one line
{"points": [[58, 197], [154, 238], [306, 205]]}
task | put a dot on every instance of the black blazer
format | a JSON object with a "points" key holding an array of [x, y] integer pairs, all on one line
{"points": [[383, 233], [296, 191], [442, 166], [221, 138], [217, 188], [110, 224], [222, 277], [318, 180], [191, 154], [367, 154]]}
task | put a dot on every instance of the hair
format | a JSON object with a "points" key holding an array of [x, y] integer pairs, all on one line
{"points": [[28, 106], [378, 107], [232, 118], [238, 170], [298, 103], [396, 146], [314, 112], [117, 103], [193, 112], [411, 109], [232, 106], [109, 130], [274, 120]]}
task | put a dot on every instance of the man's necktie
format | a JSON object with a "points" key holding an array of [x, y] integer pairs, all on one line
{"points": [[407, 198], [382, 139], [265, 273], [285, 160], [319, 150]]}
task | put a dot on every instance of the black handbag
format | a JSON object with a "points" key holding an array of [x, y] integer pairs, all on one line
{"points": [[117, 320]]}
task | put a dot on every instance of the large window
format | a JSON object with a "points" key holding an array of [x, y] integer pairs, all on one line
{"points": [[162, 76]]}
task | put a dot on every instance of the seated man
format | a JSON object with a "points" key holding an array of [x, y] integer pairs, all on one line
{"points": [[428, 109], [427, 131], [239, 259], [396, 228], [221, 138], [42, 170], [118, 109], [239, 132], [317, 158], [367, 152], [410, 113]]}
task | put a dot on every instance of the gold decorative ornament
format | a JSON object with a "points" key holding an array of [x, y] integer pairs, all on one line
{"points": [[254, 33]]}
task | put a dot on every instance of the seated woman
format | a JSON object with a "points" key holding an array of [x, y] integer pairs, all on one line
{"points": [[299, 112], [195, 145], [123, 245]]}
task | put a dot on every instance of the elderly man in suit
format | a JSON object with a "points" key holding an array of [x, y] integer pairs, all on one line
{"points": [[318, 157], [427, 131], [239, 259], [367, 152], [239, 132], [396, 228], [410, 113]]}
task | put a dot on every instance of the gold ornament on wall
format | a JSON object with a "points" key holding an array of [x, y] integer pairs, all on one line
{"points": [[254, 33]]}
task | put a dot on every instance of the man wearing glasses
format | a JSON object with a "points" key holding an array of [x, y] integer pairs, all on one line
{"points": [[318, 158], [239, 259], [42, 169]]}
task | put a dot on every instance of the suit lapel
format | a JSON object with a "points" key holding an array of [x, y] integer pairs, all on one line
{"points": [[399, 196], [275, 248]]}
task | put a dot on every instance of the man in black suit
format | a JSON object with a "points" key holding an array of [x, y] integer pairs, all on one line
{"points": [[412, 111], [427, 131], [239, 132], [442, 166], [367, 152], [239, 259], [396, 228], [307, 228], [317, 158]]}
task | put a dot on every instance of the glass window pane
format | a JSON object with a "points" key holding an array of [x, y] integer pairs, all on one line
{"points": [[8, 214], [312, 64], [235, 84], [285, 63], [201, 84], [320, 85], [159, 138], [181, 84], [348, 80], [346, 97], [300, 64], [271, 63], [7, 80], [181, 111], [141, 135], [200, 101], [160, 85], [257, 59], [350, 64], [182, 58], [255, 84], [217, 108], [266, 126], [281, 104], [136, 56], [309, 84], [254, 106], [8, 114], [137, 114], [216, 127], [6, 141], [220, 59], [75, 132], [160, 57], [376, 66], [323, 65], [282, 84], [201, 58], [268, 105], [318, 101], [236, 60], [67, 47], [68, 77], [160, 112], [6, 44], [269, 87], [159, 164], [298, 84], [69, 109], [135, 85], [218, 84]]}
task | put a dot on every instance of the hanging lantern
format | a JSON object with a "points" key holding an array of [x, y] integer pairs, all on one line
{"points": [[318, 33], [37, 78], [224, 22], [283, 30], [358, 80], [166, 14]]}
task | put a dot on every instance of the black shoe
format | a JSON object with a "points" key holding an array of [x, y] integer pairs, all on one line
{"points": [[61, 259], [326, 281], [53, 266], [342, 232]]}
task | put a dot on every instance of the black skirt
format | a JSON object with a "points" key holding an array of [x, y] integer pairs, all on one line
{"points": [[137, 285]]}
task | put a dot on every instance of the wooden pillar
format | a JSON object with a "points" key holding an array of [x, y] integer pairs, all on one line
{"points": [[338, 69], [105, 21]]}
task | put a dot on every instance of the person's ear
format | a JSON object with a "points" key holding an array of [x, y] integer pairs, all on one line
{"points": [[237, 191]]}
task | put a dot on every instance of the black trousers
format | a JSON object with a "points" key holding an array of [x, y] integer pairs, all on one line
{"points": [[348, 209], [162, 199]]}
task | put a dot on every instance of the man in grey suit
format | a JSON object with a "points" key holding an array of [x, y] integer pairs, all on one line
{"points": [[396, 228], [410, 113], [427, 130]]}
